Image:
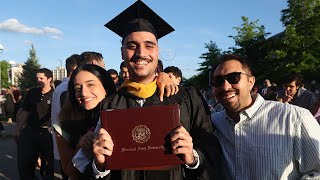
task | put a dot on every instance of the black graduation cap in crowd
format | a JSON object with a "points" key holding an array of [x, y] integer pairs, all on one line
{"points": [[139, 17]]}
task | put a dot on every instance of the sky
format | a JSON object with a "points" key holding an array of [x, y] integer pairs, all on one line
{"points": [[60, 28]]}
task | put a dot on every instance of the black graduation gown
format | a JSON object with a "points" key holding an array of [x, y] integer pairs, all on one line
{"points": [[195, 117]]}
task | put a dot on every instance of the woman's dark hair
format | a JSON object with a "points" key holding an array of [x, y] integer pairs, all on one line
{"points": [[74, 119], [99, 72]]}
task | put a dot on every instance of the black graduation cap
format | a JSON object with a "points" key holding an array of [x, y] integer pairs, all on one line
{"points": [[139, 17]]}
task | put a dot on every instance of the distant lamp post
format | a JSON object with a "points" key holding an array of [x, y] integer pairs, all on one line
{"points": [[60, 60], [209, 73]]}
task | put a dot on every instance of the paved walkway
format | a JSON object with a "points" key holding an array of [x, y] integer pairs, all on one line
{"points": [[8, 155]]}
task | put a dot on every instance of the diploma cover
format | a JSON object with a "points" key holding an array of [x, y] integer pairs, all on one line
{"points": [[139, 137]]}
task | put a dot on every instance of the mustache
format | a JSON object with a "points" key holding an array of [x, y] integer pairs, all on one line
{"points": [[135, 58]]}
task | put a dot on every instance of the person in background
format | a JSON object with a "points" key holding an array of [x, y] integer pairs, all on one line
{"points": [[272, 93], [194, 142], [115, 77], [266, 84], [313, 86], [261, 139], [317, 110], [17, 97], [35, 138], [294, 92], [254, 90], [212, 101], [174, 73], [160, 66], [124, 73], [58, 99], [9, 104], [56, 83], [92, 57]]}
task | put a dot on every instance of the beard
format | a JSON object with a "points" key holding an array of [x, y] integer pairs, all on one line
{"points": [[232, 108], [40, 84], [229, 106]]}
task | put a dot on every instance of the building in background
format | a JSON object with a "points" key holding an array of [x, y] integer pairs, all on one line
{"points": [[59, 73], [14, 74]]}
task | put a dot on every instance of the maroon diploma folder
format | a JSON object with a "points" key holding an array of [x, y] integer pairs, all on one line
{"points": [[139, 136]]}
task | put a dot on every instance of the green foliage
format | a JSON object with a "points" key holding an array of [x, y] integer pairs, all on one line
{"points": [[301, 42], [296, 49], [210, 59], [251, 43], [248, 35], [5, 66], [30, 67]]}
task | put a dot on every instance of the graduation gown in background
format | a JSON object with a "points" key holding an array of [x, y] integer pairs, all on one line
{"points": [[195, 117]]}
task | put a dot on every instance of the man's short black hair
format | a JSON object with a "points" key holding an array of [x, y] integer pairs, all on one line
{"points": [[46, 72], [112, 71], [174, 70], [88, 57], [57, 83], [293, 76], [123, 64], [228, 57], [72, 62]]}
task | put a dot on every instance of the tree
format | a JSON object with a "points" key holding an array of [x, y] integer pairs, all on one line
{"points": [[250, 42], [5, 66], [30, 67], [301, 43], [210, 59]]}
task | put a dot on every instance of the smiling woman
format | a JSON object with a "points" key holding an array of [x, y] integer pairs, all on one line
{"points": [[88, 86]]}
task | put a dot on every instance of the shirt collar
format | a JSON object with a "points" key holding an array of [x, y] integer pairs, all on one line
{"points": [[299, 92], [249, 112]]}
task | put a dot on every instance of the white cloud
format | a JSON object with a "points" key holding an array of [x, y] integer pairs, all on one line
{"points": [[51, 30], [13, 25]]}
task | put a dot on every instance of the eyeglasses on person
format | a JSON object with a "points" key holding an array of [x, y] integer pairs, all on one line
{"points": [[232, 78]]}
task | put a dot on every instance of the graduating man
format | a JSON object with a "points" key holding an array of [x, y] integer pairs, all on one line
{"points": [[194, 141]]}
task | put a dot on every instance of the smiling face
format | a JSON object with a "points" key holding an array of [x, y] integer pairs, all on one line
{"points": [[140, 52], [234, 97], [89, 90], [124, 73]]}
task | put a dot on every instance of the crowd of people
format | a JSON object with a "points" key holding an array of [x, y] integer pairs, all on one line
{"points": [[10, 102], [234, 130]]}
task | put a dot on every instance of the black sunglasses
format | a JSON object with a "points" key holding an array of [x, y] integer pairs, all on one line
{"points": [[232, 78]]}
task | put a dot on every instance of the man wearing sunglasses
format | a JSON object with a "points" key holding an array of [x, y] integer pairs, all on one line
{"points": [[261, 139]]}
